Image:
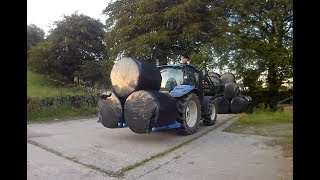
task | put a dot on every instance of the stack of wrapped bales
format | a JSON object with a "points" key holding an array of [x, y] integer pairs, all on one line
{"points": [[135, 98], [231, 99]]}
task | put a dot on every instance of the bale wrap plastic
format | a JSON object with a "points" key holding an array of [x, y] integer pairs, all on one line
{"points": [[231, 90], [146, 109], [239, 104], [110, 109], [129, 75], [223, 105], [228, 78]]}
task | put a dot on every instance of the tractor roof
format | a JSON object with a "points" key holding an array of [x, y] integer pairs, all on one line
{"points": [[178, 65]]}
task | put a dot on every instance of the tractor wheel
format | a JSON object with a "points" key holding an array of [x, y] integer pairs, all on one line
{"points": [[189, 110], [210, 118]]}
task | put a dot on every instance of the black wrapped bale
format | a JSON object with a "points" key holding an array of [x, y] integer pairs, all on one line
{"points": [[248, 98], [215, 80], [129, 75], [228, 78], [218, 84], [213, 74], [223, 105], [231, 90], [110, 109], [250, 105], [239, 104], [146, 109]]}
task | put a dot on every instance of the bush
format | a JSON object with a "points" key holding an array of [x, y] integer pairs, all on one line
{"points": [[266, 100], [74, 100], [38, 57], [58, 111]]}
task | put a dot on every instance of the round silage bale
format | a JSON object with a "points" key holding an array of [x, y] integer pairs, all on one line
{"points": [[228, 78], [129, 75], [214, 74], [219, 86], [223, 105], [231, 90], [110, 109], [250, 105], [146, 109], [239, 104]]}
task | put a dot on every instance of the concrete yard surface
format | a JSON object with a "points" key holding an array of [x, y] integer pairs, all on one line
{"points": [[84, 149], [42, 164], [220, 155]]}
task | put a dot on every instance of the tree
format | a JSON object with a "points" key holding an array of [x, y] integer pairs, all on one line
{"points": [[38, 57], [76, 40], [96, 73], [34, 35], [156, 30], [255, 37]]}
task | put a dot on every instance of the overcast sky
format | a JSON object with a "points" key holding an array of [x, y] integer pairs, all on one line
{"points": [[44, 12]]}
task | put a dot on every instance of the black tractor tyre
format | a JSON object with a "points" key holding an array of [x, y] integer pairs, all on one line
{"points": [[211, 117], [185, 114]]}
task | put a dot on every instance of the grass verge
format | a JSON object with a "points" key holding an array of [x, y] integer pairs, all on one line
{"points": [[264, 122], [40, 86]]}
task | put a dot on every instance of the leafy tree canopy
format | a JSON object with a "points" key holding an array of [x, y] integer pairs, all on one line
{"points": [[34, 35], [255, 37], [157, 30], [75, 40]]}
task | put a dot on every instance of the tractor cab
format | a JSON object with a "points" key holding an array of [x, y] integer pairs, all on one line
{"points": [[181, 74]]}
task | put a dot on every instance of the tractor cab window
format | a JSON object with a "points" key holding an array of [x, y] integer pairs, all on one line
{"points": [[189, 78], [171, 77]]}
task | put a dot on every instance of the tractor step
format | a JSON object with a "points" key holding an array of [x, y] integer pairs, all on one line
{"points": [[170, 126], [175, 125], [154, 129]]}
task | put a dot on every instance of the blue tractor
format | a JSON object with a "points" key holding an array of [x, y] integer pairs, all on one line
{"points": [[194, 92]]}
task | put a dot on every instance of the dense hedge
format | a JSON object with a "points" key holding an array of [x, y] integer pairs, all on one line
{"points": [[60, 107], [269, 100], [74, 100]]}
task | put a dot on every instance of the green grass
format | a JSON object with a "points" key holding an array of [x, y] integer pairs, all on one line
{"points": [[267, 123], [39, 86], [261, 116]]}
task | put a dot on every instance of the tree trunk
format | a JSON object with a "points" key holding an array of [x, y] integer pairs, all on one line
{"points": [[274, 83]]}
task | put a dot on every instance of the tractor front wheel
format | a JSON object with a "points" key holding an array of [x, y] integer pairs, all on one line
{"points": [[189, 110], [210, 118]]}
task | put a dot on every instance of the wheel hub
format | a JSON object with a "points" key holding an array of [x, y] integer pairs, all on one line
{"points": [[213, 112], [191, 114]]}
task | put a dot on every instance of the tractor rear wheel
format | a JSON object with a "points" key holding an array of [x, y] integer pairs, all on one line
{"points": [[189, 113], [210, 118]]}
